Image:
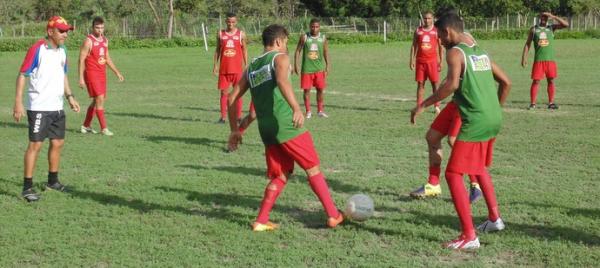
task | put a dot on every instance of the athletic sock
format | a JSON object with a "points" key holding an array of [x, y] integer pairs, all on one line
{"points": [[319, 186], [534, 91], [434, 175], [551, 90], [473, 178], [239, 104], [52, 177], [224, 102], [461, 203], [101, 119], [27, 183], [487, 187], [89, 116], [272, 191], [307, 102]]}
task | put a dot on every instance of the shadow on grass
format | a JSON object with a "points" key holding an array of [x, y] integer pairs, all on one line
{"points": [[542, 104], [202, 109], [592, 213], [14, 125], [221, 144], [355, 108], [230, 169], [159, 117]]}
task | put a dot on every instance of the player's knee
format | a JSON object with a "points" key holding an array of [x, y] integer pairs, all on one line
{"points": [[57, 143], [34, 146], [313, 171], [536, 82], [550, 80]]}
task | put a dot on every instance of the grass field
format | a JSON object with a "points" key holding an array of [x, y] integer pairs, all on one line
{"points": [[162, 192]]}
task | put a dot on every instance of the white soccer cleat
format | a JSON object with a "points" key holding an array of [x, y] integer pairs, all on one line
{"points": [[463, 243], [437, 110], [491, 226], [308, 115], [85, 130], [323, 114], [107, 132]]}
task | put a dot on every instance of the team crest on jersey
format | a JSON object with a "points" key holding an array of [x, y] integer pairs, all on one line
{"points": [[229, 53], [260, 76], [543, 39], [229, 43], [426, 39], [96, 43], [480, 63]]}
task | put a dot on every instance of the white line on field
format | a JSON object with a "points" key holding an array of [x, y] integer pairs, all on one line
{"points": [[372, 96]]}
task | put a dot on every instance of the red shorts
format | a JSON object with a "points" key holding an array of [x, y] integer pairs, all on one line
{"points": [[427, 70], [448, 121], [226, 80], [544, 68], [95, 84], [471, 158], [317, 80], [281, 157]]}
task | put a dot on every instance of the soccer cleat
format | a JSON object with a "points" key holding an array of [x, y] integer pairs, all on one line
{"points": [[552, 106], [322, 114], [57, 186], [531, 106], [462, 243], [475, 193], [86, 130], [107, 132], [427, 190], [437, 110], [30, 195], [491, 226], [262, 227], [221, 121], [334, 222], [308, 115]]}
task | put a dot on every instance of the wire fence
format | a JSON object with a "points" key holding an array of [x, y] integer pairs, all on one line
{"points": [[186, 25]]}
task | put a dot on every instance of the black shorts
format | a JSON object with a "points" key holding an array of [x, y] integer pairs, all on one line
{"points": [[44, 125]]}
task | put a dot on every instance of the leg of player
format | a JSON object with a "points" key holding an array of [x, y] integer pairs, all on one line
{"points": [[99, 100], [475, 192], [551, 91], [494, 222], [272, 191], [535, 85], [434, 87], [223, 101], [432, 188], [31, 155], [89, 116], [321, 103], [319, 186], [54, 151], [420, 91], [307, 103], [468, 237]]}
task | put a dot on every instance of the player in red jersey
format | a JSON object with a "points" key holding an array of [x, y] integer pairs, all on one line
{"points": [[232, 55], [93, 58], [426, 57]]}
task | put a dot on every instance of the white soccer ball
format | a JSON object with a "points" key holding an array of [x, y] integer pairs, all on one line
{"points": [[359, 207]]}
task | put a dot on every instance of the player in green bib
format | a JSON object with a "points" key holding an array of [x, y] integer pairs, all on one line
{"points": [[471, 75], [280, 124], [315, 65], [544, 64]]}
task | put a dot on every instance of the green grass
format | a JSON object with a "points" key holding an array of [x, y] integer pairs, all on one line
{"points": [[162, 191]]}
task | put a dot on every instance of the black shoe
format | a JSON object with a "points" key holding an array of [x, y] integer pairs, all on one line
{"points": [[531, 106], [552, 106], [221, 121], [30, 195], [57, 186]]}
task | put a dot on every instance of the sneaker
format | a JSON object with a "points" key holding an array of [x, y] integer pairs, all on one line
{"points": [[437, 110], [462, 243], [86, 130], [475, 193], [261, 227], [308, 115], [491, 226], [30, 195], [57, 186], [106, 132], [427, 190], [322, 114], [334, 222], [221, 121], [531, 106], [552, 106]]}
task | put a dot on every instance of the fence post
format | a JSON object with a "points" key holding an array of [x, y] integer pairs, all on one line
{"points": [[22, 28], [384, 31], [366, 30], [507, 22], [204, 37]]}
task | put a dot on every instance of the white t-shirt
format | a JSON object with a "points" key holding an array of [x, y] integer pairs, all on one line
{"points": [[46, 68]]}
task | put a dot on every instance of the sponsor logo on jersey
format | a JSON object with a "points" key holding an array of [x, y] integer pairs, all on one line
{"points": [[229, 52], [260, 76], [426, 46], [101, 60], [236, 38], [480, 63]]}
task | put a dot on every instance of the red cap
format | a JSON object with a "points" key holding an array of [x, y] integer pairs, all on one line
{"points": [[60, 23]]}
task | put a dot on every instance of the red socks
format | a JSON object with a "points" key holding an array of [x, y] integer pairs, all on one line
{"points": [[272, 191], [224, 103], [100, 115], [534, 91], [487, 187], [434, 175], [319, 186], [551, 90], [89, 116], [460, 199]]}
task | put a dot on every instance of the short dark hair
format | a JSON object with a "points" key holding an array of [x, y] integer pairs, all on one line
{"points": [[273, 32], [450, 20], [97, 20], [427, 12], [315, 20], [230, 15]]}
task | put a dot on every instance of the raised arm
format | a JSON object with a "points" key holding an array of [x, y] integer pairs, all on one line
{"points": [[526, 48], [562, 23], [504, 83], [84, 51], [298, 52], [282, 65]]}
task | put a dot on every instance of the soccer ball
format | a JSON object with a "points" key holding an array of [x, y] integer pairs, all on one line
{"points": [[359, 207]]}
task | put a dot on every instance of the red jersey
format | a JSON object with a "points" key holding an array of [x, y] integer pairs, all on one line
{"points": [[95, 62], [231, 52], [427, 43]]}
